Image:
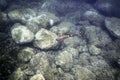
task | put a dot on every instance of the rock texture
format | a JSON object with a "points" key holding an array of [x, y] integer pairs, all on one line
{"points": [[45, 39], [21, 15], [113, 25], [21, 34]]}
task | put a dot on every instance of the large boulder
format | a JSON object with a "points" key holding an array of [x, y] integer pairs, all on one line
{"points": [[21, 34], [113, 25], [45, 39], [21, 15]]}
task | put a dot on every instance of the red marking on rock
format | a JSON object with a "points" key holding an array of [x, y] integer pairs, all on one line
{"points": [[62, 37]]}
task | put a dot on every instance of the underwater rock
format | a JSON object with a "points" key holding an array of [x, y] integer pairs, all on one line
{"points": [[82, 73], [44, 20], [113, 25], [39, 63], [84, 59], [26, 54], [72, 41], [21, 15], [102, 70], [45, 39], [65, 58], [93, 50], [17, 75], [62, 28], [21, 34], [94, 17], [96, 36], [37, 77]]}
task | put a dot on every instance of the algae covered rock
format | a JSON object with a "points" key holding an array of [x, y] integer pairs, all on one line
{"points": [[18, 75], [62, 28], [43, 20], [94, 50], [82, 73], [21, 15], [113, 25], [96, 35], [45, 39], [26, 54], [72, 41], [102, 70], [66, 57], [21, 34], [37, 77], [39, 63]]}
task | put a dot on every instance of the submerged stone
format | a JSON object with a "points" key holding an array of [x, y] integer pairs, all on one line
{"points": [[62, 28], [45, 39], [21, 34], [26, 54], [82, 73], [21, 15], [113, 25]]}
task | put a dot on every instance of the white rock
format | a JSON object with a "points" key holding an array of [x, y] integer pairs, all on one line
{"points": [[45, 39], [21, 34]]}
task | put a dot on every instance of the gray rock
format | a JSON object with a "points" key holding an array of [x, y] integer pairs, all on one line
{"points": [[72, 41], [66, 58], [45, 39], [82, 73], [84, 59], [96, 36], [21, 34], [39, 63], [62, 28], [26, 54], [113, 25], [94, 17], [22, 15], [43, 20], [37, 77]]}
